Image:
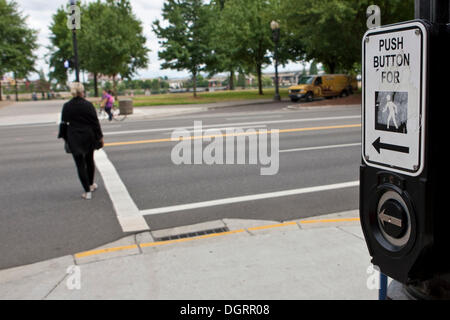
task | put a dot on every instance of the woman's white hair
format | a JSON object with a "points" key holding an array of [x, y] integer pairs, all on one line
{"points": [[76, 89]]}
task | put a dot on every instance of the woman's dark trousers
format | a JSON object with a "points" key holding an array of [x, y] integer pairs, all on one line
{"points": [[86, 169]]}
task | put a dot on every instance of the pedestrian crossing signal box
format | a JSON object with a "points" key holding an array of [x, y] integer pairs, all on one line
{"points": [[403, 211]]}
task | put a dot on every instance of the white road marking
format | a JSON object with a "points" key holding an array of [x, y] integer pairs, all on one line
{"points": [[126, 210], [30, 125], [115, 133], [254, 117], [255, 197], [224, 129], [322, 147]]}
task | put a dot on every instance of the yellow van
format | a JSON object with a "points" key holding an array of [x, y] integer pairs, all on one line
{"points": [[318, 86]]}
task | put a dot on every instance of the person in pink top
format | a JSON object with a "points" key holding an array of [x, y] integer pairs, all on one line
{"points": [[108, 103]]}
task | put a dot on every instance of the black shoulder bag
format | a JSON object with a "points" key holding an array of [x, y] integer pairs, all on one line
{"points": [[63, 135]]}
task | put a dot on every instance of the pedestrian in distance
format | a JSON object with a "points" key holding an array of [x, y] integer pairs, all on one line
{"points": [[112, 101], [108, 103], [81, 131]]}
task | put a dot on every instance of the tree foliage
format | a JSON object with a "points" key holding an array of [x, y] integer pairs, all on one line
{"points": [[17, 42], [225, 57], [214, 36], [110, 42], [186, 38], [60, 48], [42, 85], [244, 36], [330, 31], [121, 39]]}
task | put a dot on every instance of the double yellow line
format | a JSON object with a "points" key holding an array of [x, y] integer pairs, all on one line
{"points": [[127, 143]]}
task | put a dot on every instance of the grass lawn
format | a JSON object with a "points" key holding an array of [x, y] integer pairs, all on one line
{"points": [[204, 97]]}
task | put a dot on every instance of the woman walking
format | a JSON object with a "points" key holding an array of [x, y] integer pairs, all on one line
{"points": [[108, 103], [82, 133]]}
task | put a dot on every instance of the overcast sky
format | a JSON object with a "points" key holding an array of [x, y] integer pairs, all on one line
{"points": [[40, 13]]}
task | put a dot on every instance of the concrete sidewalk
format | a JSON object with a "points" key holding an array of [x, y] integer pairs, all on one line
{"points": [[47, 112], [317, 258], [173, 110]]}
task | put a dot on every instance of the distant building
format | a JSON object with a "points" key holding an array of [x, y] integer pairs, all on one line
{"points": [[102, 79], [9, 81], [286, 78], [289, 78], [217, 81], [176, 84]]}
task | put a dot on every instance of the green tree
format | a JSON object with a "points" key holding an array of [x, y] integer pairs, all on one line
{"points": [[267, 82], [289, 46], [164, 84], [241, 81], [186, 38], [17, 43], [246, 29], [90, 40], [155, 86], [201, 82], [42, 85], [331, 31], [313, 68], [60, 49], [108, 85], [147, 84], [118, 40], [304, 69], [110, 42], [226, 56]]}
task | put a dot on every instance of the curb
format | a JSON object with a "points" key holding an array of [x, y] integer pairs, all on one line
{"points": [[137, 247], [246, 103], [200, 107], [305, 107], [164, 115], [217, 105], [138, 243], [143, 243], [4, 104]]}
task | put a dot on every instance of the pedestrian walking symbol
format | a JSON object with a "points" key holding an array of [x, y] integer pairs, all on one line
{"points": [[391, 111]]}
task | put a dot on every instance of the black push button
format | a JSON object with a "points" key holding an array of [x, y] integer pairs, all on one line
{"points": [[393, 219]]}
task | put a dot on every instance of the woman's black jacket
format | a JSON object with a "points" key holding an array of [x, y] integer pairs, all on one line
{"points": [[80, 127]]}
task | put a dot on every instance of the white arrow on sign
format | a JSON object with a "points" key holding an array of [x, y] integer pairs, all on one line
{"points": [[389, 219]]}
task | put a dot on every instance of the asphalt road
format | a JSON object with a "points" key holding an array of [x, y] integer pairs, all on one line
{"points": [[42, 215]]}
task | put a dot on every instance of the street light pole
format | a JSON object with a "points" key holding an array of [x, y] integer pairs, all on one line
{"points": [[275, 26], [75, 49], [74, 39]]}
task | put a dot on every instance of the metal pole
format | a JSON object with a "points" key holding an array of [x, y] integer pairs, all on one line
{"points": [[16, 90], [74, 39], [75, 49], [277, 81], [440, 11], [435, 11], [382, 293], [422, 9]]}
